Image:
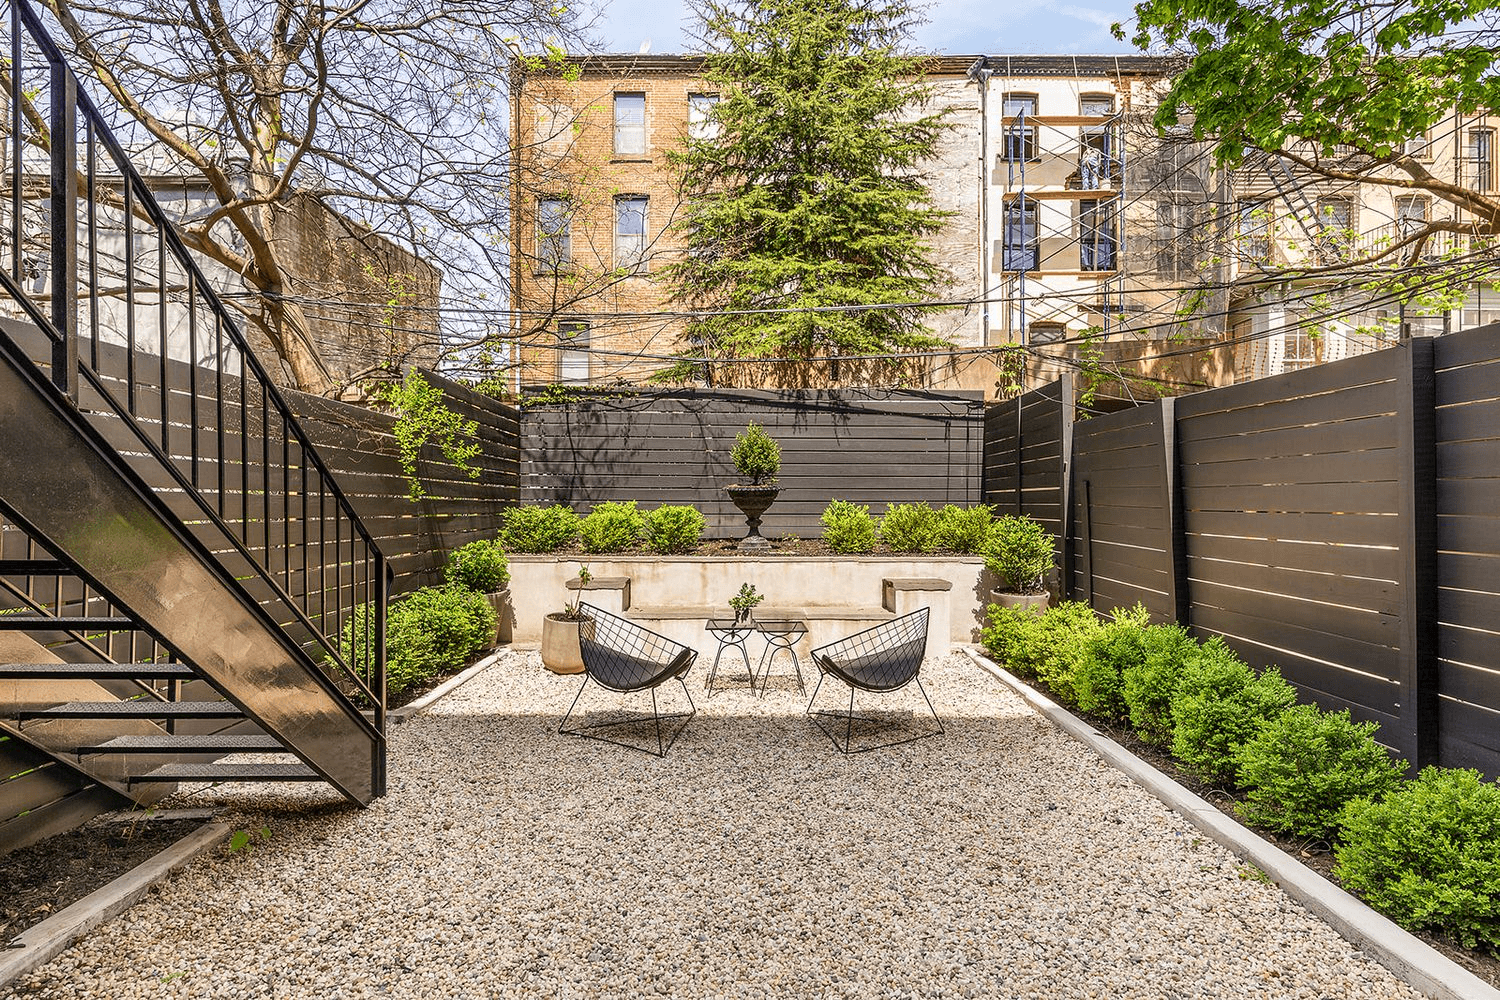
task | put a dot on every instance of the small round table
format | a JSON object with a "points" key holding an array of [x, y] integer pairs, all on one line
{"points": [[731, 634], [782, 636]]}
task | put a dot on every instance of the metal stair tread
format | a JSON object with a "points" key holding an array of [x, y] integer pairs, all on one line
{"points": [[59, 623], [230, 772], [34, 567], [137, 709], [89, 671], [191, 743]]}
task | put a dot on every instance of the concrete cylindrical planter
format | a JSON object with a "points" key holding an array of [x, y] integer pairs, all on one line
{"points": [[1010, 599], [505, 615], [560, 653]]}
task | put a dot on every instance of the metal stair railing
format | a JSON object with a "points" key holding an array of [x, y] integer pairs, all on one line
{"points": [[185, 396]]}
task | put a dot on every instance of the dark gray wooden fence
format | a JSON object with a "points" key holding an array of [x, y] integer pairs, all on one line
{"points": [[867, 447], [1341, 522]]}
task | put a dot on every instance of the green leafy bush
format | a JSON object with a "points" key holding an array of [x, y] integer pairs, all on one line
{"points": [[1149, 684], [432, 631], [908, 527], [1427, 855], [1012, 638], [1044, 646], [479, 566], [1018, 551], [757, 455], [535, 528], [612, 526], [1218, 706], [963, 529], [848, 527], [1120, 643], [674, 529], [1305, 765]]}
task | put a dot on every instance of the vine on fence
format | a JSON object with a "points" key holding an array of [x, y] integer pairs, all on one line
{"points": [[423, 418]]}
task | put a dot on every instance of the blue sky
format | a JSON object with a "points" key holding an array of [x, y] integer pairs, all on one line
{"points": [[958, 27]]}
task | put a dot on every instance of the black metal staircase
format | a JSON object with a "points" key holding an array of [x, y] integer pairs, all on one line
{"points": [[181, 578]]}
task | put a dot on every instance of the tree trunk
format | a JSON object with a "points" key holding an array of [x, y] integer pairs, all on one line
{"points": [[285, 325]]}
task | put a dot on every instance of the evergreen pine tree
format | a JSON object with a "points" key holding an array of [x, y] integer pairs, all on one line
{"points": [[810, 197]]}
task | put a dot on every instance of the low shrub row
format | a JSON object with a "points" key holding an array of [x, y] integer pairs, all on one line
{"points": [[1425, 852]]}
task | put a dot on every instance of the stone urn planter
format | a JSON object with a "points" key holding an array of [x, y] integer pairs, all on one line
{"points": [[753, 501], [560, 653], [1011, 599], [505, 615]]}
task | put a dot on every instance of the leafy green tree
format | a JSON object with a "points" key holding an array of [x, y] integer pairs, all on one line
{"points": [[806, 194]]}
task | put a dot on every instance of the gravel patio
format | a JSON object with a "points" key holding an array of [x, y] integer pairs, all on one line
{"points": [[1001, 860]]}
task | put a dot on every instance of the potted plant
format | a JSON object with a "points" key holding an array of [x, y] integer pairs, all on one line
{"points": [[744, 603], [560, 652], [482, 567], [1019, 553], [758, 458]]}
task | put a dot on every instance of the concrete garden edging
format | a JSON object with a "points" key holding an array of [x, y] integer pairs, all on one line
{"points": [[1423, 967], [444, 689]]}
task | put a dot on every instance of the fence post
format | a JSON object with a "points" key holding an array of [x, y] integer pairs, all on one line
{"points": [[1177, 585], [1065, 479], [64, 210], [1417, 442]]}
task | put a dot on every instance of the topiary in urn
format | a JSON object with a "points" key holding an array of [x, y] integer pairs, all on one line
{"points": [[757, 458]]}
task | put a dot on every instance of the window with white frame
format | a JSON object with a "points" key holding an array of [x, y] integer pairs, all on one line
{"points": [[1255, 231], [1020, 250], [1336, 232], [701, 123], [1480, 157], [630, 124], [1096, 234], [1298, 350], [1411, 214], [573, 354], [1018, 140], [630, 232]]}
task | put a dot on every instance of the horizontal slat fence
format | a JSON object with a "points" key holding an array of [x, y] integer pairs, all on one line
{"points": [[1027, 445], [868, 447]]}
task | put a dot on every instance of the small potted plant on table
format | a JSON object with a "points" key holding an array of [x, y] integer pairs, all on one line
{"points": [[744, 603], [1018, 552], [560, 652], [756, 457]]}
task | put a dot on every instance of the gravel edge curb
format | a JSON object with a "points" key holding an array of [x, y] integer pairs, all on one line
{"points": [[42, 942], [446, 688], [1421, 966]]}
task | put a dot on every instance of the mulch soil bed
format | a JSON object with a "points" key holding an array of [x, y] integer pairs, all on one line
{"points": [[1315, 854], [44, 878], [729, 548]]}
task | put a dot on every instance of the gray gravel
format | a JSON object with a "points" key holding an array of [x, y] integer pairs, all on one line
{"points": [[1002, 860]]}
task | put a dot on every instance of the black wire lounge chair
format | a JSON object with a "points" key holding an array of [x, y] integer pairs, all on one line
{"points": [[880, 660], [621, 656]]}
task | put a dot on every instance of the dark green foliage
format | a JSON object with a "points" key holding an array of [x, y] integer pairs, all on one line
{"points": [[812, 194], [756, 455], [1043, 646], [1120, 643], [848, 527], [1019, 552], [1148, 686], [1219, 704], [1427, 855], [1305, 765], [963, 529], [539, 529], [432, 631], [908, 527], [479, 566], [674, 529], [612, 526]]}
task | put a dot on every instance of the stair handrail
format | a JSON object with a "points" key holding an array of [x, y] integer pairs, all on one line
{"points": [[70, 106]]}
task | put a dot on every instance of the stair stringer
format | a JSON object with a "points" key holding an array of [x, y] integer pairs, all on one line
{"points": [[66, 486]]}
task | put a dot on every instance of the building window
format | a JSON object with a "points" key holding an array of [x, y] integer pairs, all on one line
{"points": [[1046, 333], [1411, 215], [1018, 142], [1335, 230], [1481, 159], [630, 232], [1020, 251], [1177, 235], [1419, 146], [701, 124], [1097, 154], [1255, 232], [630, 124], [573, 357], [554, 233], [1297, 351], [1096, 235]]}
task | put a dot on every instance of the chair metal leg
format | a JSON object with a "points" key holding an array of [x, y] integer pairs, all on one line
{"points": [[657, 717], [848, 716]]}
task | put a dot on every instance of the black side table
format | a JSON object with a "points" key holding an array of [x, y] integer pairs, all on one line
{"points": [[731, 634], [782, 636]]}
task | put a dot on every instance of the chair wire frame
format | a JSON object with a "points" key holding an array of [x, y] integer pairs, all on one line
{"points": [[880, 660], [621, 656]]}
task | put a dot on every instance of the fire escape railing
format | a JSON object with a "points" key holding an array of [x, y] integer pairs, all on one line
{"points": [[188, 387]]}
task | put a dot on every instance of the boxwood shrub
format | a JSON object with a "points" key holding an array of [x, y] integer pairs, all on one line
{"points": [[479, 566], [962, 529], [674, 529], [534, 528], [848, 527], [1117, 644], [1149, 684], [1427, 854], [1218, 705], [909, 527], [612, 526], [1304, 766], [1045, 646], [429, 632]]}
